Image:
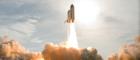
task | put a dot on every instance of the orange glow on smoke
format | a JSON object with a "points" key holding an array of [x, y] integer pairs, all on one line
{"points": [[52, 52]]}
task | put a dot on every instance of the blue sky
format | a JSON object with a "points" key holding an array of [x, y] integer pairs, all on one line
{"points": [[35, 22]]}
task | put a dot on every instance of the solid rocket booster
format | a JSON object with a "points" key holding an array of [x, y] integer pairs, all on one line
{"points": [[70, 14]]}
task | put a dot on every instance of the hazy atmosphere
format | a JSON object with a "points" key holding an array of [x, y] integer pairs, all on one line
{"points": [[102, 24]]}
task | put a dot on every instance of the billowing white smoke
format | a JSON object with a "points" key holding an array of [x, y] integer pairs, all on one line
{"points": [[72, 38]]}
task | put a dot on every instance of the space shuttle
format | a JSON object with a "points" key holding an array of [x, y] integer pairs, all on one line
{"points": [[70, 15]]}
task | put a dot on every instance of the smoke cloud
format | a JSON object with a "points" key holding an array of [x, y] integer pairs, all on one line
{"points": [[61, 52], [12, 50], [128, 52]]}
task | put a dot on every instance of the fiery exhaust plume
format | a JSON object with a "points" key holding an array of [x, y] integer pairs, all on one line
{"points": [[72, 38]]}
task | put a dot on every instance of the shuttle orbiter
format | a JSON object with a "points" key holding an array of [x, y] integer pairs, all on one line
{"points": [[70, 14]]}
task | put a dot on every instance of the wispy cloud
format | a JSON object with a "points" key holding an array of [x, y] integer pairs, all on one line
{"points": [[20, 30], [26, 28]]}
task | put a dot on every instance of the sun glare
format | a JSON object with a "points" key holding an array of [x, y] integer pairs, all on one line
{"points": [[86, 12]]}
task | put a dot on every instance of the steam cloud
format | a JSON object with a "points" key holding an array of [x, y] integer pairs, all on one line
{"points": [[128, 52], [12, 50], [60, 52]]}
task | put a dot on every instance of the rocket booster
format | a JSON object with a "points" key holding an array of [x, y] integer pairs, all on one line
{"points": [[70, 14]]}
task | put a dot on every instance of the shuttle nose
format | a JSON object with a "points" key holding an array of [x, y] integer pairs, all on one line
{"points": [[72, 5]]}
